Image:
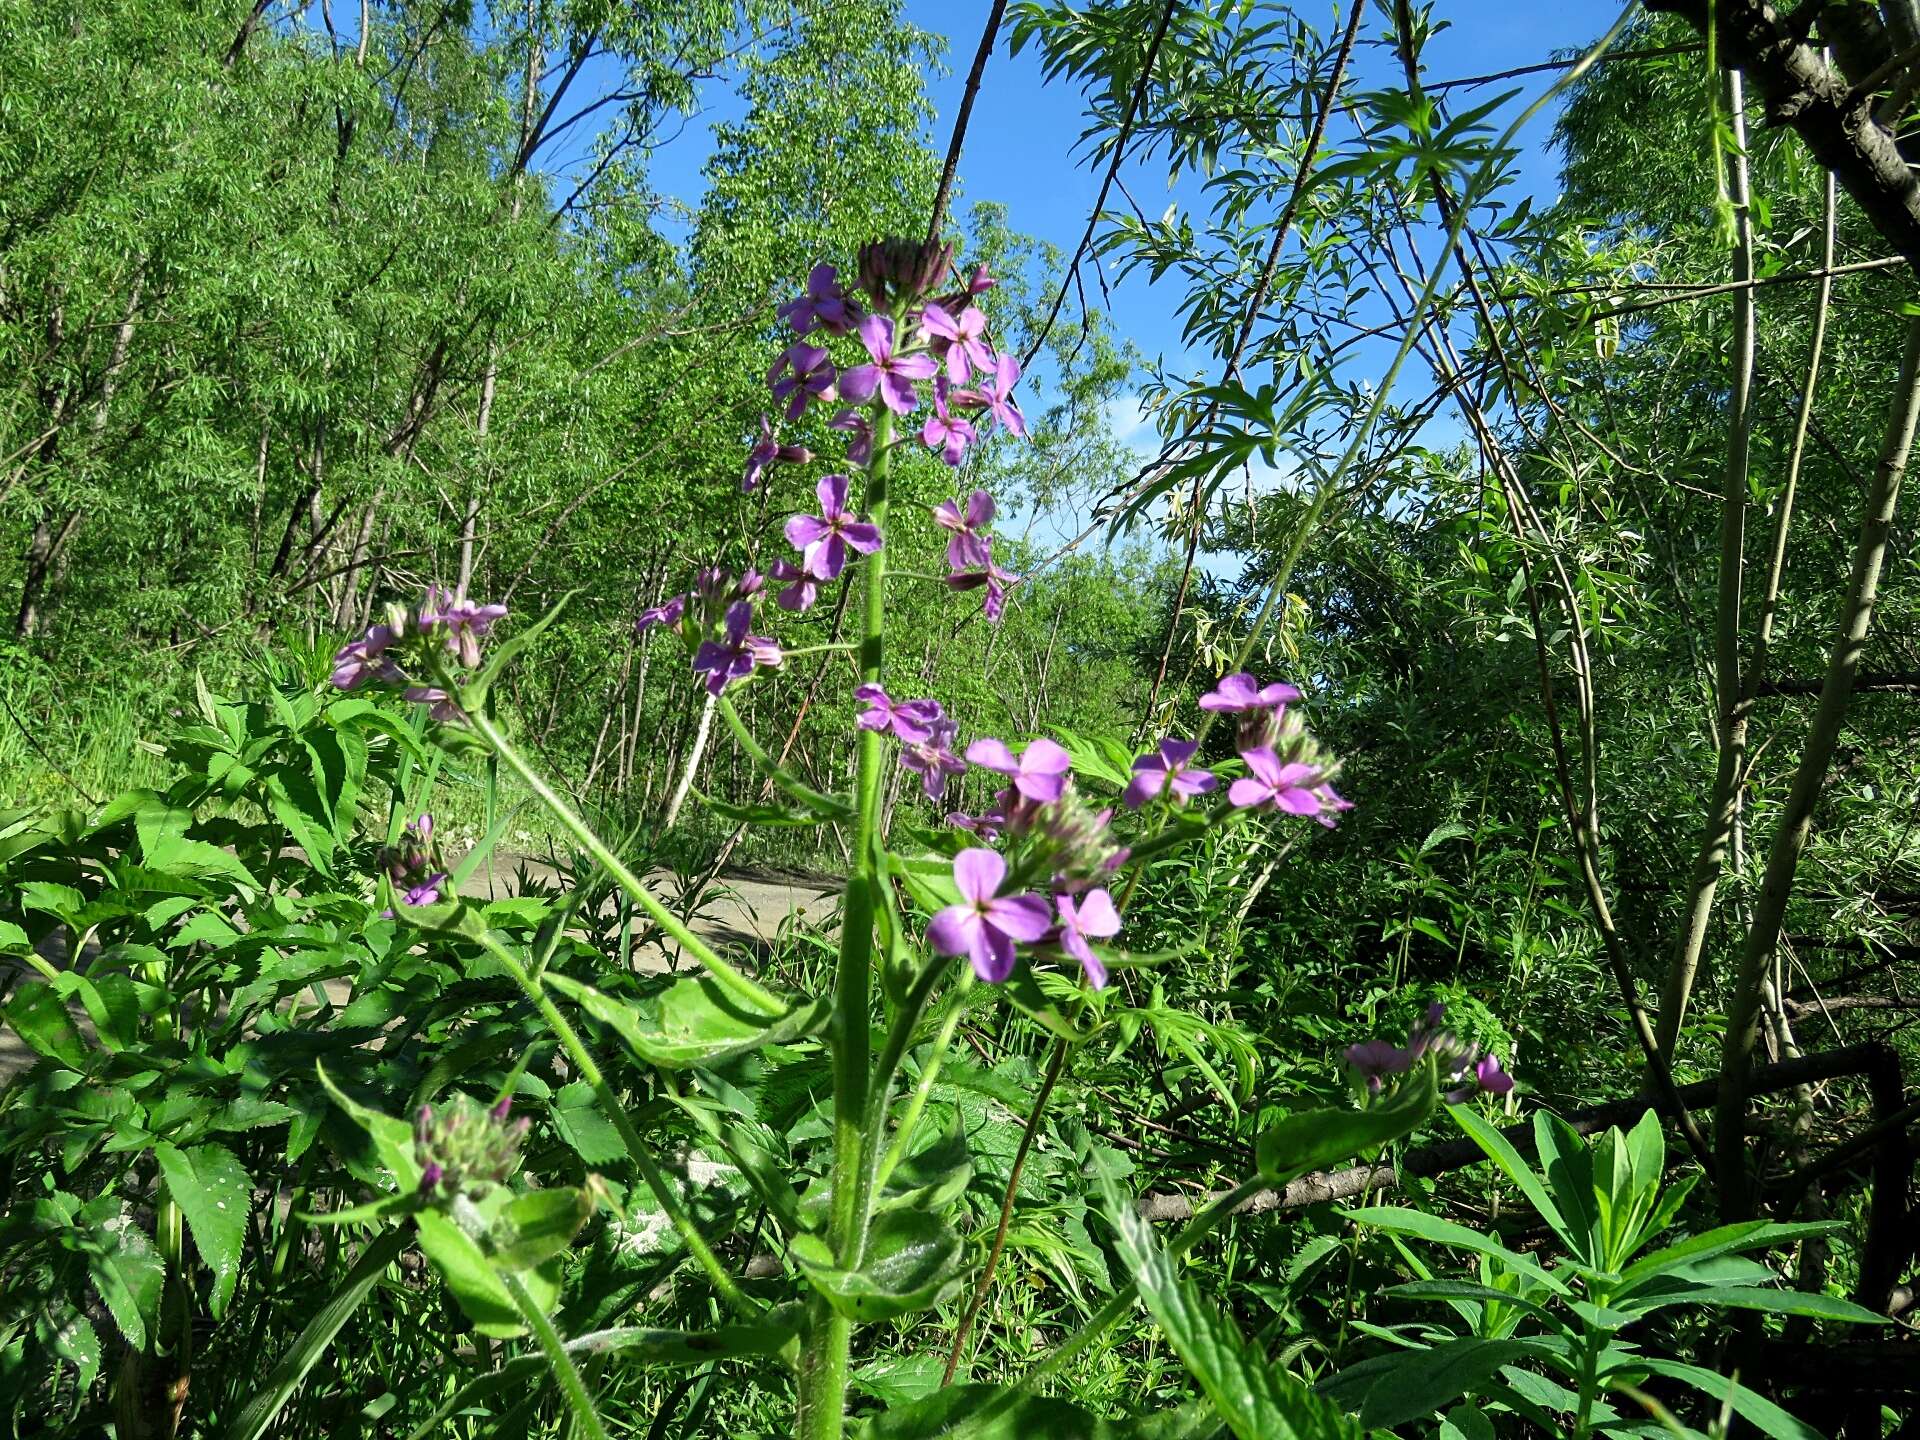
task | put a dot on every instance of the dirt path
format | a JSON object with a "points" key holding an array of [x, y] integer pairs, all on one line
{"points": [[740, 912]]}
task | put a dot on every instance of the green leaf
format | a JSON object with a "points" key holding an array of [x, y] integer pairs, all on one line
{"points": [[38, 1015], [392, 1139], [575, 1112], [1472, 1290], [1316, 1139], [1258, 1399], [693, 1022], [214, 1196], [899, 1379], [537, 1225], [129, 1275], [469, 1275], [1421, 1381], [933, 1177], [1758, 1297], [1422, 1226], [265, 1404], [949, 1412], [912, 1262], [1500, 1150], [1724, 1240], [1756, 1410]]}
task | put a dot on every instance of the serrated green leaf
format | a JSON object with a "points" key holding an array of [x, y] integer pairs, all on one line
{"points": [[214, 1195], [912, 1261]]}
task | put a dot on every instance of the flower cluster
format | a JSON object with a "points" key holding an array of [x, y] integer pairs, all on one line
{"points": [[1376, 1059], [1288, 771], [713, 618], [970, 562], [464, 1150], [445, 618], [409, 864]]}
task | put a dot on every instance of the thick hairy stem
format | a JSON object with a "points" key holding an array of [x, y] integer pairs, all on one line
{"points": [[572, 1388], [588, 1068], [823, 1377], [1734, 702], [1796, 817], [984, 1287]]}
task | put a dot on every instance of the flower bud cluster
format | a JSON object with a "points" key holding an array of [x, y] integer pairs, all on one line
{"points": [[1373, 1060], [395, 651], [410, 865], [464, 1150]]}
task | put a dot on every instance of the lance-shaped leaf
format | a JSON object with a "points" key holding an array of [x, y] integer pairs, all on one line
{"points": [[693, 1022], [1315, 1139]]}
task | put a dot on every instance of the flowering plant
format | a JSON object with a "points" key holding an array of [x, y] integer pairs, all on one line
{"points": [[1036, 884]]}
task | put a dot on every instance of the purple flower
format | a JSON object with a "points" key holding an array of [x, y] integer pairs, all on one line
{"points": [[969, 547], [933, 760], [464, 622], [997, 397], [1291, 787], [990, 575], [1092, 916], [668, 615], [824, 539], [1171, 765], [803, 587], [912, 721], [737, 654], [769, 451], [1040, 773], [987, 824], [1241, 691], [439, 704], [804, 372], [427, 892], [822, 305], [430, 1177], [890, 373], [366, 659], [961, 338], [945, 431], [860, 448], [1376, 1059], [1490, 1077], [986, 925]]}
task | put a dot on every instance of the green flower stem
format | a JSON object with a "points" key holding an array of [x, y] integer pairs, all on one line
{"points": [[572, 1387], [1117, 1305], [880, 1090], [735, 984], [583, 1062], [823, 1379], [929, 1075], [784, 778]]}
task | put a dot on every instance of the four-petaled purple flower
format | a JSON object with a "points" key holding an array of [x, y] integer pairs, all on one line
{"points": [[464, 622], [803, 587], [804, 372], [933, 759], [427, 892], [1039, 773], [997, 581], [997, 397], [1091, 916], [737, 654], [769, 451], [969, 547], [824, 539], [822, 305], [1488, 1075], [961, 337], [359, 661], [668, 615], [860, 447], [1292, 786], [1171, 764], [945, 431], [986, 925], [913, 722], [1240, 691], [890, 373]]}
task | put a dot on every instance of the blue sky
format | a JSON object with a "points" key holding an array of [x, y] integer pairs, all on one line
{"points": [[1020, 145]]}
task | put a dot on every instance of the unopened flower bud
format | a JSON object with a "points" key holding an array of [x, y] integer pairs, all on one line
{"points": [[898, 269]]}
